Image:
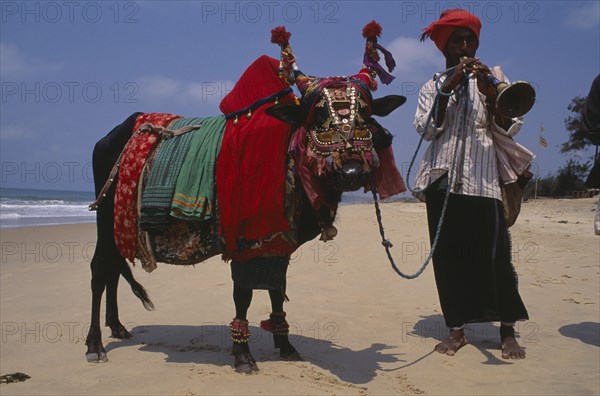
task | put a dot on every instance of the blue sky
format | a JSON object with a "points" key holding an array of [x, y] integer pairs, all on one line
{"points": [[72, 70]]}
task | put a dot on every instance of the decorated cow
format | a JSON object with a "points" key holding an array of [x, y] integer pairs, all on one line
{"points": [[251, 185]]}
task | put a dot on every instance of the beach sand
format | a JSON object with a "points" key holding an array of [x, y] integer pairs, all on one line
{"points": [[360, 328]]}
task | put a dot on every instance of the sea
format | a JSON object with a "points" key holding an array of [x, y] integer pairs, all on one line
{"points": [[21, 207]]}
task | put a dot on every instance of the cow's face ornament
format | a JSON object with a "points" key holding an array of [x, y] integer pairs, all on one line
{"points": [[336, 127], [340, 135]]}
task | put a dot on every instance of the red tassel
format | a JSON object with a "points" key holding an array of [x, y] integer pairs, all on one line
{"points": [[372, 29], [266, 325], [280, 36]]}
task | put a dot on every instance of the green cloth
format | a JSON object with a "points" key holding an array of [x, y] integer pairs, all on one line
{"points": [[160, 185], [195, 191]]}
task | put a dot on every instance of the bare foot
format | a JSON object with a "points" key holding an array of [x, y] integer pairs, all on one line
{"points": [[510, 347], [456, 340]]}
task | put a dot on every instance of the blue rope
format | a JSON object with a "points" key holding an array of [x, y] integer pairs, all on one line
{"points": [[434, 111], [258, 103]]}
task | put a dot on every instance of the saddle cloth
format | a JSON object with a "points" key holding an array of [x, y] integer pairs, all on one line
{"points": [[181, 182], [254, 181]]}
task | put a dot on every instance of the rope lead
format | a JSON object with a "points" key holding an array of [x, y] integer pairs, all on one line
{"points": [[385, 242]]}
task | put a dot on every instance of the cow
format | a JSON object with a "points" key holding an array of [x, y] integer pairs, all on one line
{"points": [[320, 144]]}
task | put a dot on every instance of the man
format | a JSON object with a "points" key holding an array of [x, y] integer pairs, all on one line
{"points": [[474, 275], [591, 123]]}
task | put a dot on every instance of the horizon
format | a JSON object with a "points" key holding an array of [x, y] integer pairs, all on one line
{"points": [[45, 189]]}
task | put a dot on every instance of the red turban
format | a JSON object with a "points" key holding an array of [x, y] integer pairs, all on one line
{"points": [[440, 31]]}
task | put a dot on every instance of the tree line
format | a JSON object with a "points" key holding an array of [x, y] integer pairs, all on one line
{"points": [[572, 175]]}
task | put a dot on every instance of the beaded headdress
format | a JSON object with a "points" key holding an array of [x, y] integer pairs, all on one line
{"points": [[371, 31], [288, 70]]}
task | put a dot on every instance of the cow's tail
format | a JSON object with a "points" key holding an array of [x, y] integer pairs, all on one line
{"points": [[136, 287]]}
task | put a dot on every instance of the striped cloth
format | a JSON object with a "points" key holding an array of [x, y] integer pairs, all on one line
{"points": [[488, 155], [160, 186], [195, 191]]}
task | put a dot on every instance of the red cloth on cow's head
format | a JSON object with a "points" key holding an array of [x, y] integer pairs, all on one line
{"points": [[450, 20], [261, 79]]}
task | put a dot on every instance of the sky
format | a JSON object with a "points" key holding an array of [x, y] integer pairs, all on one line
{"points": [[72, 70]]}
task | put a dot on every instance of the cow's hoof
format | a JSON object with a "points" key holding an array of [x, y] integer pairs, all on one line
{"points": [[245, 364], [119, 332], [95, 351], [293, 356], [246, 367], [286, 349], [94, 357], [244, 361]]}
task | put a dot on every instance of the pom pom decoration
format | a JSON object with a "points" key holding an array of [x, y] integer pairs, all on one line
{"points": [[287, 64], [280, 36], [371, 31]]}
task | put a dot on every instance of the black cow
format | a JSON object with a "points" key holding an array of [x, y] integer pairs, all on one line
{"points": [[333, 124]]}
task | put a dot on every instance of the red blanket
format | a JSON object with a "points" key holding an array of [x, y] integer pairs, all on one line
{"points": [[135, 155], [251, 165]]}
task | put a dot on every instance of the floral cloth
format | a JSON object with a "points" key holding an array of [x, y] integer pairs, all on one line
{"points": [[134, 158]]}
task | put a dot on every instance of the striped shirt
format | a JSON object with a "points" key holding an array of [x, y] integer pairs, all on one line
{"points": [[463, 146]]}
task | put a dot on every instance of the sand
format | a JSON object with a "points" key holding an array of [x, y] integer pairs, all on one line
{"points": [[360, 328]]}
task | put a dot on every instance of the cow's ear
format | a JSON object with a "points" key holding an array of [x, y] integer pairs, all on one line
{"points": [[286, 112], [387, 104]]}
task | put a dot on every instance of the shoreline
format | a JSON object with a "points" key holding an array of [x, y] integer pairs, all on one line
{"points": [[39, 221], [52, 224]]}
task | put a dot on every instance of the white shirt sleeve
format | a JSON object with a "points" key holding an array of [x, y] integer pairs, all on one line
{"points": [[423, 124]]}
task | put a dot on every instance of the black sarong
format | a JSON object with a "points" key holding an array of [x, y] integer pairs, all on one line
{"points": [[475, 278], [263, 273]]}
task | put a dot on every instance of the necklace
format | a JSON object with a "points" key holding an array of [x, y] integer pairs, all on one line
{"points": [[345, 125]]}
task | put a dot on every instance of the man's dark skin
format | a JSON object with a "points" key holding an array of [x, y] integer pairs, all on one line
{"points": [[464, 44]]}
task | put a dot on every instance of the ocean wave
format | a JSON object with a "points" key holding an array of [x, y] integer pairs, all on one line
{"points": [[21, 202], [39, 205], [31, 211], [9, 216], [82, 213], [20, 207]]}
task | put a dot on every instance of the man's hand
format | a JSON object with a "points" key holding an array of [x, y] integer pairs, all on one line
{"points": [[481, 72], [490, 91], [461, 71]]}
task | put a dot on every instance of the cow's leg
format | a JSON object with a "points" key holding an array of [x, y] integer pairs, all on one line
{"points": [[112, 308], [105, 263], [240, 334], [279, 327], [95, 349]]}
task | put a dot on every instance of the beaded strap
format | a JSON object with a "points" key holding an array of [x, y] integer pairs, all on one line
{"points": [[239, 331], [276, 324]]}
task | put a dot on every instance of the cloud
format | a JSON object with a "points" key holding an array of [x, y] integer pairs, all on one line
{"points": [[14, 63], [415, 60], [158, 87], [16, 132], [208, 92], [67, 151], [585, 17], [162, 89]]}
